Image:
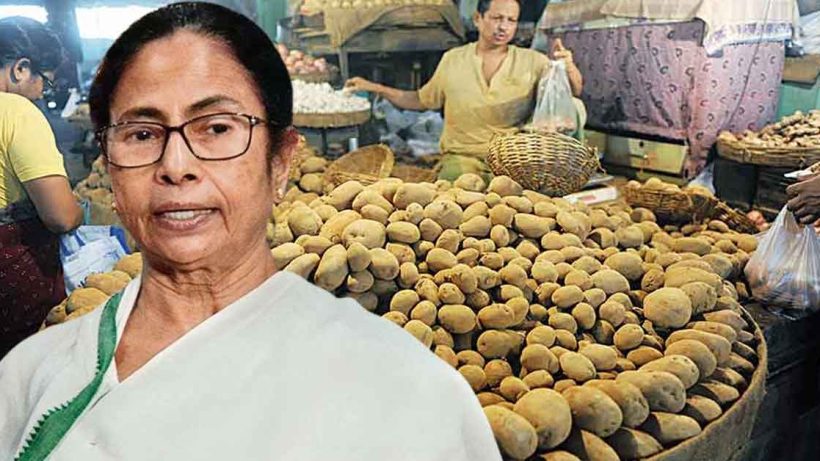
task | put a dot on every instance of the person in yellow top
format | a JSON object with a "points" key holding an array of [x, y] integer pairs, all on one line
{"points": [[36, 203], [484, 87]]}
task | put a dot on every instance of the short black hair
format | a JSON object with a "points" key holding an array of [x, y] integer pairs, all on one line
{"points": [[249, 44], [484, 5], [25, 38]]}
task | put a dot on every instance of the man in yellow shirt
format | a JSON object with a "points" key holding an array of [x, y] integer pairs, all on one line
{"points": [[485, 87], [36, 202]]}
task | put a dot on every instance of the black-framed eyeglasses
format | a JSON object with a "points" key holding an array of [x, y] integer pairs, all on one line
{"points": [[220, 136], [48, 84]]}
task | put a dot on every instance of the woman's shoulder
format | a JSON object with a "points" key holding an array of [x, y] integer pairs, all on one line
{"points": [[14, 104]]}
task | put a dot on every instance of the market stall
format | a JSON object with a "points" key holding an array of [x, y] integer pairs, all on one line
{"points": [[342, 28], [683, 70]]}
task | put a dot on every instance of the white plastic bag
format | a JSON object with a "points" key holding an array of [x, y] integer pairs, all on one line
{"points": [[784, 271], [554, 109], [89, 250]]}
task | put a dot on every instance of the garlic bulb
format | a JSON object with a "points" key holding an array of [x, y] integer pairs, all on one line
{"points": [[321, 98]]}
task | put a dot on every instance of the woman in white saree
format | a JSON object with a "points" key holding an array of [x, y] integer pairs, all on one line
{"points": [[212, 354]]}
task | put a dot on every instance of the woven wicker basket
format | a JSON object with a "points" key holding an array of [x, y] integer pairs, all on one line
{"points": [[409, 173], [734, 219], [331, 120], [786, 157], [673, 206], [725, 438], [366, 165], [547, 162]]}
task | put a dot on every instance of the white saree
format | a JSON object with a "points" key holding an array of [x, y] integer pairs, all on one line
{"points": [[287, 372]]}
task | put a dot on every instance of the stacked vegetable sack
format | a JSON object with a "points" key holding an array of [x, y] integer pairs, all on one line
{"points": [[586, 333]]}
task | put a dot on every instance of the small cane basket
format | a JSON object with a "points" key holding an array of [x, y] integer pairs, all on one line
{"points": [[548, 162], [366, 165]]}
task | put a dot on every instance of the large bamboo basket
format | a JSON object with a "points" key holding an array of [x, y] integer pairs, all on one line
{"points": [[366, 165], [724, 438], [410, 173], [548, 162], [785, 157], [336, 120], [673, 206]]}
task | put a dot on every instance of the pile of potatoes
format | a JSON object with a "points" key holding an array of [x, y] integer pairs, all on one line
{"points": [[96, 188], [96, 290], [585, 333], [306, 172]]}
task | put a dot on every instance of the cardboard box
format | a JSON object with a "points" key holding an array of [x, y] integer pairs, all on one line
{"points": [[642, 154]]}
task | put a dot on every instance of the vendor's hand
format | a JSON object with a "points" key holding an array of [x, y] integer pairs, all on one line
{"points": [[805, 202], [356, 84], [561, 53]]}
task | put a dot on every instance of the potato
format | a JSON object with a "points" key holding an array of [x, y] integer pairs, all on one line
{"points": [[669, 428], [408, 193], [446, 213], [489, 398], [429, 230], [515, 435], [512, 388], [383, 264], [679, 365], [403, 232], [469, 357], [678, 277], [378, 214], [470, 182], [696, 245], [478, 226], [652, 280], [504, 186], [543, 335], [439, 259], [702, 295], [107, 283], [584, 315], [727, 317], [740, 365], [539, 379], [593, 410], [304, 221], [629, 398], [662, 390], [495, 371], [456, 318], [85, 299], [538, 357], [718, 345], [595, 297], [628, 337], [475, 377], [604, 238], [627, 264], [550, 415], [568, 296], [578, 278], [602, 357], [564, 384], [588, 446], [603, 332], [531, 226], [577, 367], [730, 377], [701, 409], [610, 282], [717, 328], [721, 393], [668, 308], [630, 237], [744, 351], [513, 274], [420, 331], [747, 243], [496, 316], [613, 312], [697, 352], [634, 444], [494, 344], [303, 265]]}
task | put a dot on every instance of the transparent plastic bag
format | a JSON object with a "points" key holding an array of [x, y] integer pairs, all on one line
{"points": [[554, 109], [784, 271]]}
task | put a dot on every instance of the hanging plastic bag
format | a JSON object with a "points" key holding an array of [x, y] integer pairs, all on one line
{"points": [[554, 109], [90, 250], [784, 271]]}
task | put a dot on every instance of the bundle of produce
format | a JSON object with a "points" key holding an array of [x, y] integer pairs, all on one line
{"points": [[302, 66], [95, 291], [579, 329]]}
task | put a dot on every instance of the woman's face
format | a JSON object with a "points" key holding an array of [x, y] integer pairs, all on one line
{"points": [[184, 212]]}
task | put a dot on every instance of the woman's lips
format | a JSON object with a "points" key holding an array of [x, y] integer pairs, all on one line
{"points": [[183, 219]]}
